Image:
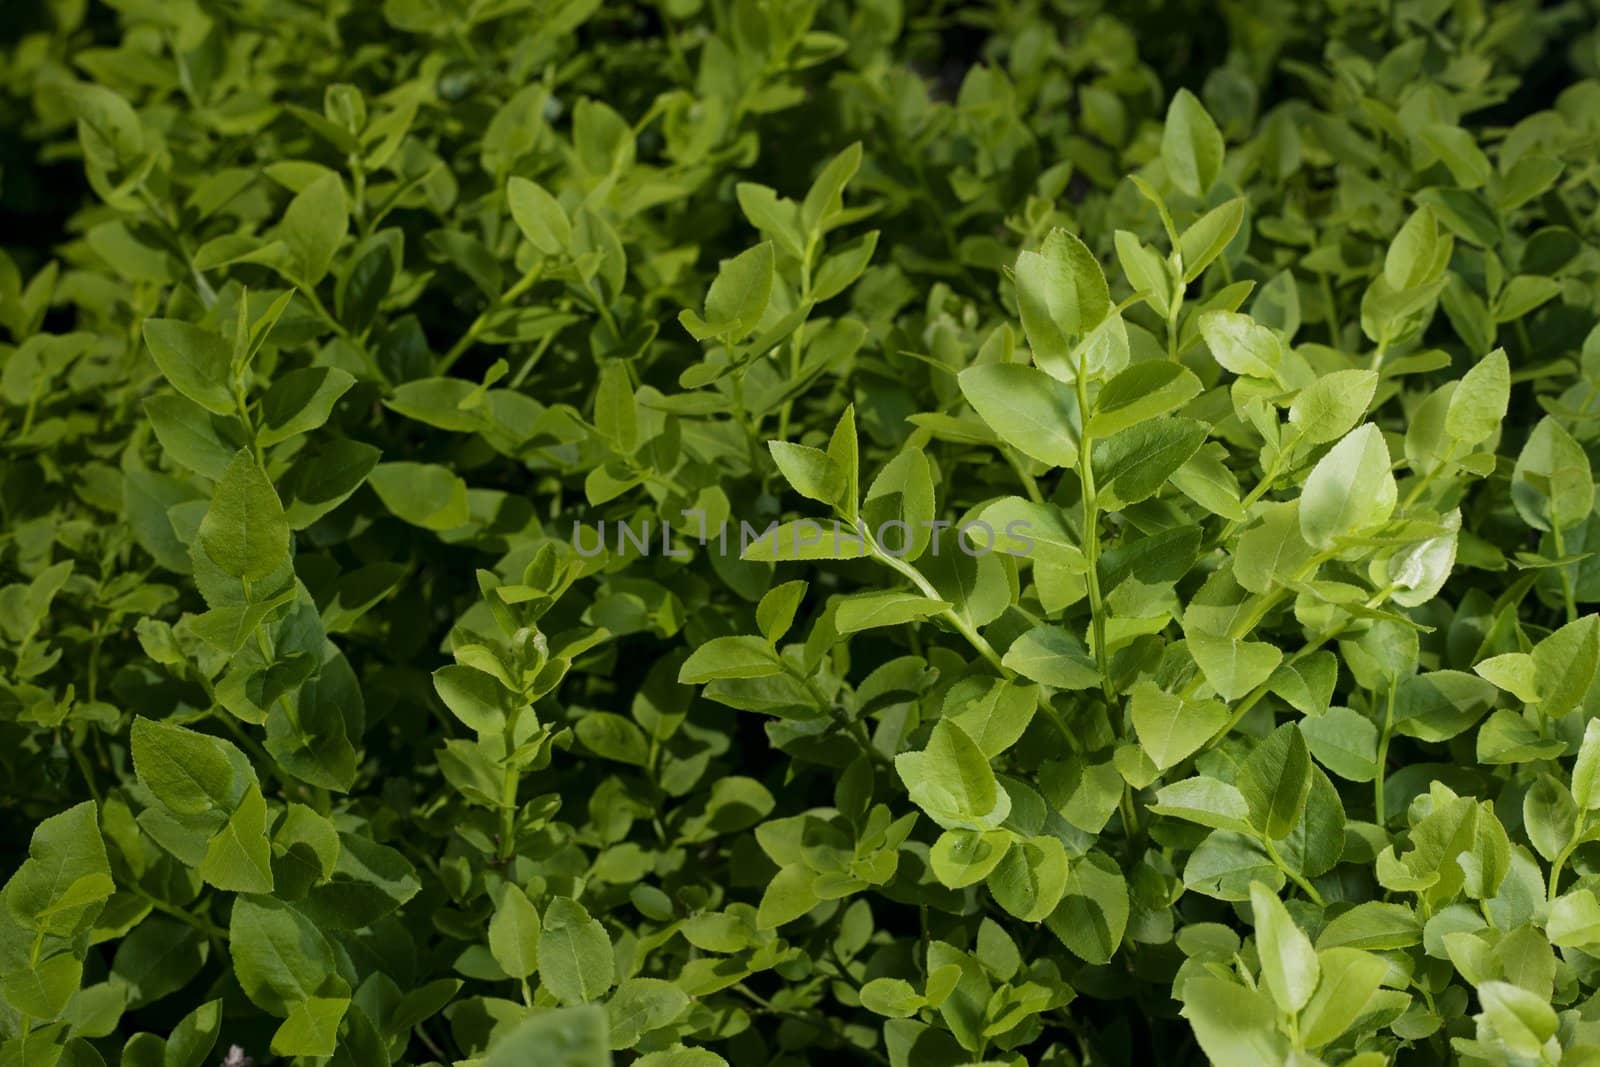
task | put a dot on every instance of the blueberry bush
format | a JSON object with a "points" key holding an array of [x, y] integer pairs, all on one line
{"points": [[769, 532]]}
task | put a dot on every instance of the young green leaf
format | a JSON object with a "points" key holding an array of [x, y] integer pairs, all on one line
{"points": [[1028, 409], [244, 531], [1191, 145]]}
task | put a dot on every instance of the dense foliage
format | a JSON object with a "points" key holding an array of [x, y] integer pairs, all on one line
{"points": [[799, 531]]}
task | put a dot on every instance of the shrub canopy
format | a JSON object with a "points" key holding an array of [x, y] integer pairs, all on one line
{"points": [[735, 531]]}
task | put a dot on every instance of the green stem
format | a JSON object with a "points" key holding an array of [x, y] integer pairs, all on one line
{"points": [[533, 358], [94, 661], [290, 786], [310, 293], [926, 588], [1567, 595], [1379, 804], [83, 767], [1091, 534], [752, 432], [205, 926], [1172, 322], [508, 795], [1560, 863], [1130, 814], [1029, 483], [1294, 876], [797, 345], [1243, 629], [465, 341], [1417, 488], [1331, 308], [1269, 478], [966, 630]]}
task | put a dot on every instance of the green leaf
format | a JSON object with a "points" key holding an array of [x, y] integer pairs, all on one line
{"points": [[1458, 151], [1093, 914], [322, 480], [561, 1037], [1330, 407], [615, 414], [867, 611], [1438, 705], [1026, 408], [1411, 256], [777, 218], [892, 997], [1350, 489], [1522, 1020], [191, 435], [729, 657], [824, 200], [841, 269], [476, 698], [197, 362], [315, 225], [952, 781], [790, 894], [845, 451], [1051, 656], [189, 772], [1344, 741], [993, 712], [738, 297], [63, 884], [1565, 663], [422, 494], [1241, 345], [312, 1028], [901, 499], [244, 531], [1143, 391], [1574, 920], [1062, 295], [641, 1005], [42, 989], [1191, 145], [1478, 403], [279, 957], [1276, 780], [1146, 270], [1231, 666], [298, 401], [195, 1036], [802, 539], [810, 471], [1209, 235], [613, 737], [1552, 485], [1135, 463], [575, 960], [775, 613], [539, 216], [1232, 1023], [1206, 801], [238, 858], [514, 933], [1586, 769], [965, 857], [1031, 879], [1289, 967], [1170, 727], [1373, 925]]}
